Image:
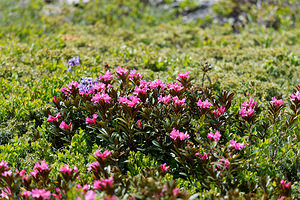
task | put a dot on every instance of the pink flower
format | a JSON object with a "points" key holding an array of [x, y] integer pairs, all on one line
{"points": [[103, 183], [22, 172], [106, 77], [175, 86], [140, 90], [139, 123], [183, 76], [204, 104], [100, 86], [277, 102], [281, 198], [131, 102], [225, 161], [249, 104], [93, 166], [51, 118], [103, 155], [215, 137], [237, 146], [165, 99], [33, 173], [71, 84], [4, 193], [26, 193], [164, 167], [294, 96], [41, 166], [178, 102], [246, 112], [110, 198], [133, 75], [90, 195], [91, 121], [121, 71], [101, 97], [68, 170], [63, 125], [203, 157], [157, 84], [6, 173], [58, 195], [3, 165], [176, 134], [175, 192], [285, 185], [26, 177], [298, 85], [54, 99], [40, 193], [219, 111], [65, 90]]}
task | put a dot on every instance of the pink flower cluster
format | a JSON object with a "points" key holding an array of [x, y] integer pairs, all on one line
{"points": [[204, 156], [215, 136], [295, 96], [103, 183], [164, 167], [183, 76], [157, 84], [103, 155], [176, 134], [101, 97], [203, 104], [236, 145], [65, 126], [178, 102], [223, 161], [247, 108], [130, 101], [285, 185], [219, 111], [175, 86], [165, 100], [277, 102], [134, 75], [51, 118], [67, 169], [66, 90], [37, 193], [121, 71], [91, 121], [90, 195], [106, 77]]}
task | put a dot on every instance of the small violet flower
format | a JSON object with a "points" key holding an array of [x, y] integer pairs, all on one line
{"points": [[72, 62]]}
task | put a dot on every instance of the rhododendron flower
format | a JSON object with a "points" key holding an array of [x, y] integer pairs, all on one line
{"points": [[51, 118], [277, 102], [67, 169], [26, 193], [58, 195], [183, 76], [21, 173], [34, 173], [176, 134], [246, 112], [65, 90], [63, 125], [103, 155], [103, 183], [90, 195], [139, 123], [99, 86], [175, 86], [5, 192], [175, 192], [54, 99], [131, 102], [249, 104], [237, 146], [215, 137], [165, 99], [133, 75], [110, 198], [157, 84], [26, 177], [3, 164], [40, 193], [101, 97], [225, 161], [121, 71], [203, 104], [106, 77], [7, 173], [71, 84], [91, 121], [285, 185], [294, 96], [41, 166], [178, 102], [203, 157], [281, 198], [93, 166], [140, 90], [164, 167]]}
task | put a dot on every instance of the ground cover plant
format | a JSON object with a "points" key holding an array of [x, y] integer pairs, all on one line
{"points": [[122, 100]]}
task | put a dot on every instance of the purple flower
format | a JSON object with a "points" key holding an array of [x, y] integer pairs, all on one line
{"points": [[72, 62]]}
